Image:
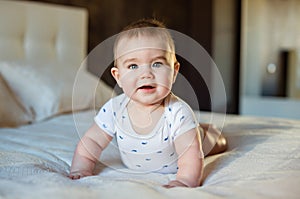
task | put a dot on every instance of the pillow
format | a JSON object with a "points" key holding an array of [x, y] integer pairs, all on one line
{"points": [[46, 89], [11, 111]]}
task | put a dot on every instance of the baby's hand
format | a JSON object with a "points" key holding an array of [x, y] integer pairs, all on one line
{"points": [[75, 175], [175, 183]]}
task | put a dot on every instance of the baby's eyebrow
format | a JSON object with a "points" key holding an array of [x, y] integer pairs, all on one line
{"points": [[129, 60], [159, 58]]}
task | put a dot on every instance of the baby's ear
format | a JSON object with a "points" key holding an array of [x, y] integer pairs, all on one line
{"points": [[115, 73], [176, 70]]}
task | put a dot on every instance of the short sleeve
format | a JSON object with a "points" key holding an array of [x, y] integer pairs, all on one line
{"points": [[183, 118], [105, 118]]}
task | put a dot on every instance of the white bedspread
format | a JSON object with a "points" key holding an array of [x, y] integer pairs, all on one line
{"points": [[263, 161]]}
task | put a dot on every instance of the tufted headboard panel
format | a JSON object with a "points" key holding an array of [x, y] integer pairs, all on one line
{"points": [[42, 31]]}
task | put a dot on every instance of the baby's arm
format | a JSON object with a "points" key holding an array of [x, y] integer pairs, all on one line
{"points": [[88, 151], [190, 161]]}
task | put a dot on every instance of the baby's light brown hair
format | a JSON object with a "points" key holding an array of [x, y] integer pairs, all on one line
{"points": [[146, 27]]}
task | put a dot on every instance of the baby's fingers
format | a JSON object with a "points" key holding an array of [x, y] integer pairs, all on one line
{"points": [[174, 183], [75, 176]]}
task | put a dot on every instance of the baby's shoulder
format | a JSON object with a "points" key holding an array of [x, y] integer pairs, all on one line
{"points": [[175, 101], [117, 100], [114, 104], [174, 104]]}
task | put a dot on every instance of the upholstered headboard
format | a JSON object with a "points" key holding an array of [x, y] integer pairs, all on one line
{"points": [[42, 68], [42, 31]]}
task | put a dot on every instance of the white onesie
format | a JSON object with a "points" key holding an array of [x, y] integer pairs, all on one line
{"points": [[153, 152]]}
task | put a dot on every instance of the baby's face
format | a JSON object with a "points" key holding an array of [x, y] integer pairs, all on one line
{"points": [[145, 69]]}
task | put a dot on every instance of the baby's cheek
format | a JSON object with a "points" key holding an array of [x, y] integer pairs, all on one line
{"points": [[128, 89], [166, 82]]}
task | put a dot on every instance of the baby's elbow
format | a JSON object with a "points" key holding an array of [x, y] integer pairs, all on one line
{"points": [[193, 184]]}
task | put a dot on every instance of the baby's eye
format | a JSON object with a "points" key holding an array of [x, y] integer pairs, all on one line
{"points": [[133, 66], [157, 64]]}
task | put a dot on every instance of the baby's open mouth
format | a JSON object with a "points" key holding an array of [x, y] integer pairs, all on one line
{"points": [[146, 87]]}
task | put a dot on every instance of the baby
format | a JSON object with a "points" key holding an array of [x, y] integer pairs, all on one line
{"points": [[155, 130]]}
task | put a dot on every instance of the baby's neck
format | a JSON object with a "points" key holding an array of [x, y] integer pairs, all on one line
{"points": [[144, 118], [144, 108]]}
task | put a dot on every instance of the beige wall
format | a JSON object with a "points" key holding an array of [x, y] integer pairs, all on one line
{"points": [[268, 28]]}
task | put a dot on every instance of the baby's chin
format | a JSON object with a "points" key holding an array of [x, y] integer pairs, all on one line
{"points": [[148, 99]]}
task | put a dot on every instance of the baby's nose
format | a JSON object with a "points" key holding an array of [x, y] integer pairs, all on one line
{"points": [[147, 71]]}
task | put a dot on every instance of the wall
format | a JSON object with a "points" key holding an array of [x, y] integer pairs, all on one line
{"points": [[270, 28], [191, 17], [270, 37]]}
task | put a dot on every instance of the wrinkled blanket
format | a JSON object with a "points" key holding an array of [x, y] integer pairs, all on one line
{"points": [[262, 161]]}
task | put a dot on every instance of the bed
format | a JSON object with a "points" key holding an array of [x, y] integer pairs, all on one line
{"points": [[41, 124]]}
